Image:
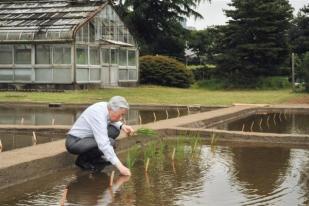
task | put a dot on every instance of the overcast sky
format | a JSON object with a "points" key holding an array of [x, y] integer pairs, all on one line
{"points": [[213, 14]]}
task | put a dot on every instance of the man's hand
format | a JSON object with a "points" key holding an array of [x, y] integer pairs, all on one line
{"points": [[127, 129], [123, 170]]}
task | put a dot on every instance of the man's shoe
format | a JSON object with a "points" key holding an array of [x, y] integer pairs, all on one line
{"points": [[85, 165]]}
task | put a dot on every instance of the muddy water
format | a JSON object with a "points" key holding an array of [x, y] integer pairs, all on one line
{"points": [[289, 123], [218, 175], [59, 116]]}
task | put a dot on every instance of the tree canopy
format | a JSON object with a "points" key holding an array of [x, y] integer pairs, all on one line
{"points": [[157, 24], [254, 42]]}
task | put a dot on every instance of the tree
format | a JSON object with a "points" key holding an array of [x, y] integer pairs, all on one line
{"points": [[299, 32], [254, 42], [156, 24], [204, 43], [305, 66]]}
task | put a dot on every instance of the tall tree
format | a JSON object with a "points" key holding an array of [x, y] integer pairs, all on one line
{"points": [[255, 42], [299, 32], [156, 24]]}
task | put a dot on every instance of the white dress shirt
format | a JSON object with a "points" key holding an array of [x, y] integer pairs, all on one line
{"points": [[93, 123]]}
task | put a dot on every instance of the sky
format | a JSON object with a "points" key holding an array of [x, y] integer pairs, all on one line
{"points": [[213, 14]]}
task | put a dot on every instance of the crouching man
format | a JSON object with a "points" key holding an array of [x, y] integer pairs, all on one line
{"points": [[92, 135]]}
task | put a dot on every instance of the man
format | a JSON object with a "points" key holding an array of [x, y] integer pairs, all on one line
{"points": [[89, 136]]}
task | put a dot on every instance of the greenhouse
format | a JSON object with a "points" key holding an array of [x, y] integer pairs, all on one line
{"points": [[65, 44]]}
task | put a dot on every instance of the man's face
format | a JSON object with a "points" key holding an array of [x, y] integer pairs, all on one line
{"points": [[117, 115]]}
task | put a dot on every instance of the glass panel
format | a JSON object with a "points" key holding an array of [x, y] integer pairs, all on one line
{"points": [[123, 74], [132, 74], [95, 74], [85, 33], [94, 56], [82, 55], [43, 75], [131, 58], [114, 56], [91, 31], [6, 55], [105, 55], [62, 75], [62, 55], [22, 54], [123, 57], [42, 54], [6, 74], [79, 35], [23, 74], [82, 75]]}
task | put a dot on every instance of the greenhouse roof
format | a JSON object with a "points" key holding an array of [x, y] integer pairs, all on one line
{"points": [[44, 20]]}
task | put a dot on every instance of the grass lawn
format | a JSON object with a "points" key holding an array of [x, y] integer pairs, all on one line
{"points": [[158, 95]]}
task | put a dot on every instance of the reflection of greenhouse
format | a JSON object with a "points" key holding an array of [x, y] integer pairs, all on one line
{"points": [[65, 42]]}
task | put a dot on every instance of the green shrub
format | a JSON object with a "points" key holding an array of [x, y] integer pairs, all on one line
{"points": [[165, 71], [278, 82], [203, 72]]}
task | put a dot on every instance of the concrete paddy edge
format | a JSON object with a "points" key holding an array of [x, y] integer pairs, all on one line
{"points": [[34, 162]]}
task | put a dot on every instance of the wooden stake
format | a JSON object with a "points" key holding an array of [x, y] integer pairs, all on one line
{"points": [[166, 114], [173, 154], [1, 147], [34, 140], [53, 121], [188, 109], [140, 119], [64, 197], [280, 116], [243, 127], [267, 121], [251, 126], [154, 117], [147, 164], [178, 112], [22, 120], [261, 123], [111, 180]]}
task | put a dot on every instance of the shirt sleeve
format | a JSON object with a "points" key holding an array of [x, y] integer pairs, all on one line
{"points": [[118, 124], [98, 125]]}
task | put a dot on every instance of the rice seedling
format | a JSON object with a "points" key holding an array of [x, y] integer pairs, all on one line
{"points": [[146, 132], [132, 156]]}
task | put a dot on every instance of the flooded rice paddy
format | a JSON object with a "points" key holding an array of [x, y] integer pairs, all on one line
{"points": [[209, 175], [61, 116], [287, 123]]}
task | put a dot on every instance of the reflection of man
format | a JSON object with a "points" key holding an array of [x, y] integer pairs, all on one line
{"points": [[93, 189], [89, 136]]}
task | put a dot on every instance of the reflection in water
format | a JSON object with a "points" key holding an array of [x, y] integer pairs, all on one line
{"points": [[288, 123], [220, 176], [93, 189], [60, 116], [14, 140], [260, 170]]}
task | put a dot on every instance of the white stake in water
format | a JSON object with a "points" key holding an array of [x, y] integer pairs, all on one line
{"points": [[22, 120], [64, 197], [53, 121], [154, 117], [166, 114], [34, 140], [111, 180], [1, 147]]}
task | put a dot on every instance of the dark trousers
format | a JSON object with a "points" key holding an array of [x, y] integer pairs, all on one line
{"points": [[87, 148]]}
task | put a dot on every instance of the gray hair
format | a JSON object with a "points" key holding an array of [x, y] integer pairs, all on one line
{"points": [[117, 102]]}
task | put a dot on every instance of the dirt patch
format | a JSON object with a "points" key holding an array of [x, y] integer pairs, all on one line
{"points": [[299, 100]]}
